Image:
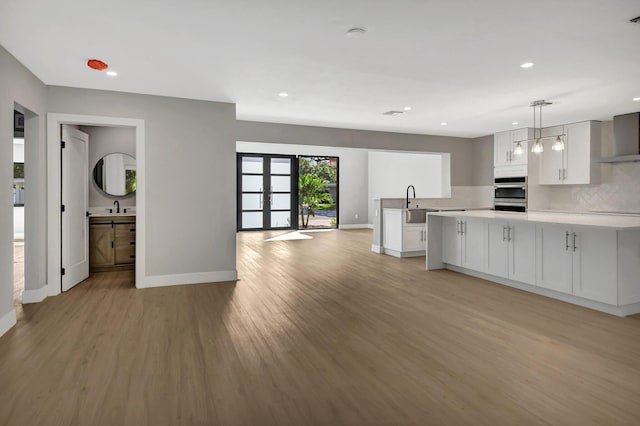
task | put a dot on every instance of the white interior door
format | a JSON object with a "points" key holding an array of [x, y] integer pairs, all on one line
{"points": [[75, 195]]}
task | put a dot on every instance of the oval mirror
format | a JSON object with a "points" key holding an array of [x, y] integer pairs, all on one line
{"points": [[115, 174]]}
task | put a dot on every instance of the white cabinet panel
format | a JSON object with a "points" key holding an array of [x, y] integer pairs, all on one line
{"points": [[498, 252], [413, 238], [554, 257], [595, 269], [578, 153], [501, 149], [573, 165], [392, 229], [451, 252], [522, 252], [474, 233]]}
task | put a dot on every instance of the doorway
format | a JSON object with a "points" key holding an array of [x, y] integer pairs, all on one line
{"points": [[267, 191], [18, 207], [54, 179], [318, 192]]}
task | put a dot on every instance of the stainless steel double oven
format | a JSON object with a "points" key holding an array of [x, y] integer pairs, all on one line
{"points": [[510, 194]]}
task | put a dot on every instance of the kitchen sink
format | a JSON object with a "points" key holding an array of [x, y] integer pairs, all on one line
{"points": [[416, 215]]}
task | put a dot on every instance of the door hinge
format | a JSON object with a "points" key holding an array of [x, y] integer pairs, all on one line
{"points": [[62, 208], [63, 144], [63, 271]]}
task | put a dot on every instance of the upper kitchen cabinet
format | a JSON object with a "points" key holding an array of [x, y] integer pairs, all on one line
{"points": [[505, 160], [571, 166]]}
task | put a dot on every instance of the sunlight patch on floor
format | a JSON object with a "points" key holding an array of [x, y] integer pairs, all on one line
{"points": [[295, 235]]}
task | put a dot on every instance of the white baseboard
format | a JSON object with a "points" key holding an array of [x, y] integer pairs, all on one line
{"points": [[620, 311], [396, 253], [7, 321], [185, 279], [356, 226], [34, 296], [376, 248]]}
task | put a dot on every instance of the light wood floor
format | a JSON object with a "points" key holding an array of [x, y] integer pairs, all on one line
{"points": [[319, 332], [18, 272]]}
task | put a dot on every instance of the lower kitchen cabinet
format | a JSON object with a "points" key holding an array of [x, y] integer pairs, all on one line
{"points": [[554, 257], [402, 239], [464, 243], [595, 264], [112, 242], [579, 260], [511, 252], [591, 265]]}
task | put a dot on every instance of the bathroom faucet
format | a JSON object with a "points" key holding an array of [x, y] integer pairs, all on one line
{"points": [[117, 204], [414, 194]]}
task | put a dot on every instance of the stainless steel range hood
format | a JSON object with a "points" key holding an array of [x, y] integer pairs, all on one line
{"points": [[626, 139]]}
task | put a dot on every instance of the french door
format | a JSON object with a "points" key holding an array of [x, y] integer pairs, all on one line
{"points": [[266, 191]]}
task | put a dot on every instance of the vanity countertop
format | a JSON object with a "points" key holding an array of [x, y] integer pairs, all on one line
{"points": [[106, 214]]}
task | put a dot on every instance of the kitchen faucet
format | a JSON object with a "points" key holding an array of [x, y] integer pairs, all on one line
{"points": [[414, 194], [117, 204]]}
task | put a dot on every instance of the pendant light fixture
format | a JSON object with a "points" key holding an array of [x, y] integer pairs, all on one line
{"points": [[518, 150], [558, 145], [537, 148]]}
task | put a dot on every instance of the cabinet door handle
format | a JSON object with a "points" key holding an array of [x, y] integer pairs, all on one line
{"points": [[566, 241], [504, 229], [464, 227], [132, 230], [111, 244], [132, 243], [132, 256], [506, 155], [564, 174], [509, 229], [559, 174], [574, 241]]}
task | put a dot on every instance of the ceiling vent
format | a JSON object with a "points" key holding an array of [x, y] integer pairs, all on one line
{"points": [[635, 20], [393, 112]]}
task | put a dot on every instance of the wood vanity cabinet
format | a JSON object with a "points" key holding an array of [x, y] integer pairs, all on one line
{"points": [[112, 243]]}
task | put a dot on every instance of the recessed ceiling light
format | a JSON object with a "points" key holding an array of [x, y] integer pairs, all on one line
{"points": [[527, 65], [407, 108], [112, 73], [356, 32], [283, 94], [444, 123], [515, 123], [636, 99]]}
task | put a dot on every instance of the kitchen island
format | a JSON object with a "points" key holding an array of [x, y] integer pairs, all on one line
{"points": [[592, 260]]}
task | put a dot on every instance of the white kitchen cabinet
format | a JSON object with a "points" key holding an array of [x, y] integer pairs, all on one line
{"points": [[502, 149], [402, 239], [522, 252], [464, 243], [504, 144], [554, 257], [511, 251], [573, 165], [451, 244], [595, 264], [498, 253], [414, 237], [578, 260], [474, 249]]}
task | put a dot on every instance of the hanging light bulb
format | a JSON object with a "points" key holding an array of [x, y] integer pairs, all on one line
{"points": [[537, 147], [558, 145], [518, 149]]}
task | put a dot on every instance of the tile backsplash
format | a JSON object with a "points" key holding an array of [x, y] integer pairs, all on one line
{"points": [[618, 191]]}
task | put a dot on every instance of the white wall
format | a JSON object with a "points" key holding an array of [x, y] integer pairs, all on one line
{"points": [[390, 173], [352, 174], [103, 141]]}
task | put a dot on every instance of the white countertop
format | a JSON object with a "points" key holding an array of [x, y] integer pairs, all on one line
{"points": [[613, 221]]}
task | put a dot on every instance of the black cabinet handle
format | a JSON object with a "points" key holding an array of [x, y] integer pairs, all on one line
{"points": [[132, 230], [132, 256], [133, 243], [111, 244]]}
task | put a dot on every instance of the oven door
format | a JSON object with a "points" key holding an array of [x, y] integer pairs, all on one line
{"points": [[510, 189]]}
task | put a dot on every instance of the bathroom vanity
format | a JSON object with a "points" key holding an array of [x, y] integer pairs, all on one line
{"points": [[112, 242]]}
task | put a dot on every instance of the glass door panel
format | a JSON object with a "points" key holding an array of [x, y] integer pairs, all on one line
{"points": [[266, 197]]}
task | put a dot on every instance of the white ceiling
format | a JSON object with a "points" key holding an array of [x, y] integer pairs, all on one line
{"points": [[455, 61]]}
